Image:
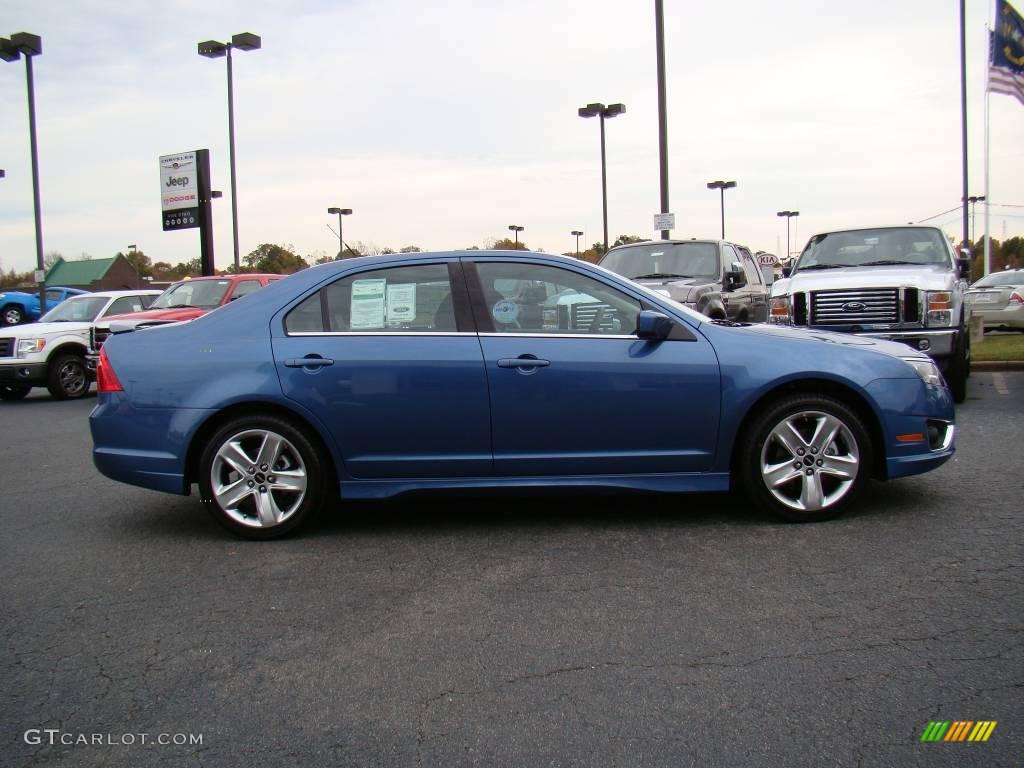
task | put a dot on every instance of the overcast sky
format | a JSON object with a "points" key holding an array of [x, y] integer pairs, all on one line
{"points": [[442, 123]]}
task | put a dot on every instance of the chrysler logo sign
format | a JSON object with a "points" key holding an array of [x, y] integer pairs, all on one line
{"points": [[854, 306]]}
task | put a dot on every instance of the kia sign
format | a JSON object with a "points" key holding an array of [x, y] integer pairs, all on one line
{"points": [[767, 259], [179, 191]]}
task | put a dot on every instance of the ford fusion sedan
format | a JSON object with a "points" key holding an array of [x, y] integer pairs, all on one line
{"points": [[51, 353], [373, 377], [998, 299]]}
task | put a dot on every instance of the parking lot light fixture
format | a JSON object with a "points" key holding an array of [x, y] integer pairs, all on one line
{"points": [[788, 215], [213, 49], [577, 234], [596, 109], [722, 186], [516, 229], [11, 49], [341, 241]]}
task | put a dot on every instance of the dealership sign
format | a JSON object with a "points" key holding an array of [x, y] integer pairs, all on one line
{"points": [[179, 190]]}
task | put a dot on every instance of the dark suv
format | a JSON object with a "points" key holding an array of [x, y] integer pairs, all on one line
{"points": [[714, 277]]}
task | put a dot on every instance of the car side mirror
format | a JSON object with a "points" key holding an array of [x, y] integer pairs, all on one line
{"points": [[653, 325], [964, 265], [735, 278], [787, 271]]}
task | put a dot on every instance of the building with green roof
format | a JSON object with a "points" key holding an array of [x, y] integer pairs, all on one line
{"points": [[113, 274]]}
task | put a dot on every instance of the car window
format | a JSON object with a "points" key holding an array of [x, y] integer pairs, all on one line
{"points": [[244, 288], [81, 309], [415, 298], [204, 294], [690, 259], [751, 270], [54, 294], [532, 298], [125, 305], [1000, 278]]}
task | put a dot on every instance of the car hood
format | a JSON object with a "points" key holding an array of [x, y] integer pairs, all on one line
{"points": [[161, 315], [891, 348], [32, 330], [678, 288], [929, 277]]}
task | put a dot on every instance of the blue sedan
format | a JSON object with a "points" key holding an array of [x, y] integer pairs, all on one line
{"points": [[372, 377]]}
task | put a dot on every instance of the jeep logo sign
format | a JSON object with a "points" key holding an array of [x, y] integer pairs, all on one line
{"points": [[854, 306]]}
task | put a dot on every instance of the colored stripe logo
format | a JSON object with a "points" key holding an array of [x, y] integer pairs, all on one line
{"points": [[958, 730]]}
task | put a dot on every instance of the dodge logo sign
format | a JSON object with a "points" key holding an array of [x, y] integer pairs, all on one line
{"points": [[854, 306]]}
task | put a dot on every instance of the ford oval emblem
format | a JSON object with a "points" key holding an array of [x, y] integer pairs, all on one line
{"points": [[854, 306]]}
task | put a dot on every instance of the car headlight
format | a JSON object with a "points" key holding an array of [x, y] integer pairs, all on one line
{"points": [[30, 346], [779, 309], [940, 309], [926, 369]]}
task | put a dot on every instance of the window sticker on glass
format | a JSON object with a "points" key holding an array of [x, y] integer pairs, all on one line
{"points": [[549, 319], [367, 309], [401, 303], [505, 311]]}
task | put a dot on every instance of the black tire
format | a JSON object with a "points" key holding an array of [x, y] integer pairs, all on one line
{"points": [[12, 314], [959, 367], [850, 451], [258, 490], [14, 391], [67, 377]]}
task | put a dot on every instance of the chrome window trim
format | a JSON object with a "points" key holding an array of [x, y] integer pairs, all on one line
{"points": [[562, 335], [381, 333]]}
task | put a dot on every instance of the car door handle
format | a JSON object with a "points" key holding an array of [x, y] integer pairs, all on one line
{"points": [[308, 362], [528, 362]]}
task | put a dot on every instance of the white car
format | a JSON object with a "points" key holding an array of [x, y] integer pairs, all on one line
{"points": [[999, 299], [51, 353]]}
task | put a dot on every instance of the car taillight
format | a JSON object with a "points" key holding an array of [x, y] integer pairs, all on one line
{"points": [[106, 379], [1016, 298]]}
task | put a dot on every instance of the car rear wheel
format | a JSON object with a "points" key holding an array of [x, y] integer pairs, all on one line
{"points": [[959, 367], [261, 477], [12, 315], [66, 377], [14, 391], [806, 458]]}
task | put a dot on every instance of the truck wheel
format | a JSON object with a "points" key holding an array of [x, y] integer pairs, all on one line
{"points": [[13, 315], [805, 458], [66, 377], [959, 367], [14, 391]]}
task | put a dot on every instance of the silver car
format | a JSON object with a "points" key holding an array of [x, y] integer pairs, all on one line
{"points": [[998, 299]]}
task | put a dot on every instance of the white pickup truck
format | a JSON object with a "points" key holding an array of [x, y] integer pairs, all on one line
{"points": [[51, 353], [901, 283]]}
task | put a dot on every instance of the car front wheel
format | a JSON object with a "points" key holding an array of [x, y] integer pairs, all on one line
{"points": [[261, 477], [805, 458], [12, 315], [67, 378]]}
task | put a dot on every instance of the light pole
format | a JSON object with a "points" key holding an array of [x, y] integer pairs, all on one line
{"points": [[11, 50], [600, 110], [211, 49], [341, 242], [789, 215], [973, 200], [722, 185], [578, 235], [517, 229]]}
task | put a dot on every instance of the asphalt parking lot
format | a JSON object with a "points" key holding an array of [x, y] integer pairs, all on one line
{"points": [[632, 631]]}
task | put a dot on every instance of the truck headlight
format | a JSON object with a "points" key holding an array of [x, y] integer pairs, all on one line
{"points": [[779, 310], [940, 309], [30, 346], [926, 369]]}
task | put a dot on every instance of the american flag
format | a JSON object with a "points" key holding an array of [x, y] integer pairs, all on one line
{"points": [[1006, 52]]}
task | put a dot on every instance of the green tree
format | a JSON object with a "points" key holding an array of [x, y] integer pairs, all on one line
{"points": [[277, 259], [508, 244], [411, 249], [627, 239], [142, 263]]}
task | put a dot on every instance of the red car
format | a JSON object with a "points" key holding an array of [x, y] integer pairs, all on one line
{"points": [[186, 300]]}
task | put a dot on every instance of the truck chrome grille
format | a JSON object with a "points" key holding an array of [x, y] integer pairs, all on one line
{"points": [[868, 306], [7, 347]]}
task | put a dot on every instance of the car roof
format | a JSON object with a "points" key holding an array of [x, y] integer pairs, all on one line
{"points": [[118, 294]]}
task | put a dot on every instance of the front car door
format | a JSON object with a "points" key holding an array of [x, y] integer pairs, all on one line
{"points": [[757, 292], [574, 391], [389, 360]]}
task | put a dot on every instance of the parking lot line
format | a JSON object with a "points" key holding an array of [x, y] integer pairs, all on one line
{"points": [[1000, 383]]}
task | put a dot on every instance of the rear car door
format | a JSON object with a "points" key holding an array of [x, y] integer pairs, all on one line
{"points": [[389, 360], [573, 391]]}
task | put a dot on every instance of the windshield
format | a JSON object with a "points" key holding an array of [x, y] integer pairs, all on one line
{"points": [[81, 309], [203, 294], [665, 260], [1000, 278], [875, 247]]}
